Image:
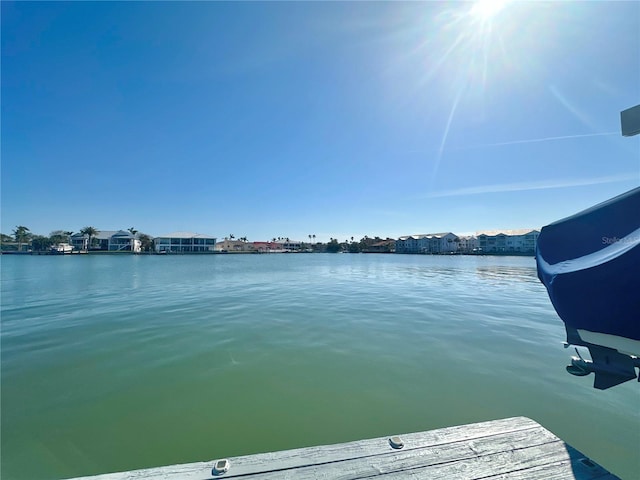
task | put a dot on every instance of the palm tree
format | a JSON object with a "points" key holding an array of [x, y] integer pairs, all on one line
{"points": [[133, 231], [21, 234], [89, 232], [232, 236]]}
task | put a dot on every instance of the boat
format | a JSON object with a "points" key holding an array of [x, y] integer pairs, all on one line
{"points": [[61, 248], [590, 265]]}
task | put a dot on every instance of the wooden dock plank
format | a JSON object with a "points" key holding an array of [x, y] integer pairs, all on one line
{"points": [[513, 452], [544, 462], [411, 458], [304, 457], [514, 448]]}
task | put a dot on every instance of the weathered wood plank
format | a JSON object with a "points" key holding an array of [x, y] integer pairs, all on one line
{"points": [[480, 458], [396, 461], [549, 461], [510, 448], [300, 457]]}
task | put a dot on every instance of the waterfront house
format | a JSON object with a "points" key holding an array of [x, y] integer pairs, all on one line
{"points": [[508, 241], [291, 245], [107, 240], [280, 246], [228, 245], [268, 247], [383, 246], [80, 241], [433, 243], [123, 241], [184, 242]]}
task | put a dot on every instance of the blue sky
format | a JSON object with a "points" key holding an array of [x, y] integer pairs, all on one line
{"points": [[337, 119]]}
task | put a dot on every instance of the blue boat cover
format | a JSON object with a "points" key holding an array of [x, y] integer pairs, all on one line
{"points": [[590, 264]]}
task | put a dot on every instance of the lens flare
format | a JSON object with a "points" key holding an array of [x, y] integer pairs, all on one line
{"points": [[485, 10]]}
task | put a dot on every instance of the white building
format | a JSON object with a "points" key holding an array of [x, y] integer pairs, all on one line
{"points": [[291, 245], [507, 241], [433, 243], [468, 244], [184, 242]]}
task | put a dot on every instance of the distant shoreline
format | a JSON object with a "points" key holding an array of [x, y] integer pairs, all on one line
{"points": [[99, 252]]}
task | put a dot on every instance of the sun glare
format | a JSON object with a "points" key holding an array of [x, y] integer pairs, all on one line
{"points": [[487, 9]]}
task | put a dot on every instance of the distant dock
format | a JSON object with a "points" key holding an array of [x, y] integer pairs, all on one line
{"points": [[512, 448]]}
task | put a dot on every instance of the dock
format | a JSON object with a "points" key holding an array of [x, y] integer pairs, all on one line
{"points": [[512, 448]]}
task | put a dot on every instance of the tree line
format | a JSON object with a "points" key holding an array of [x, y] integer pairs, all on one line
{"points": [[365, 244]]}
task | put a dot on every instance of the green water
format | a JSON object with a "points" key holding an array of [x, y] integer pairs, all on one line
{"points": [[114, 363]]}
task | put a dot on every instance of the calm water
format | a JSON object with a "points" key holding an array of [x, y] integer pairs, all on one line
{"points": [[120, 362]]}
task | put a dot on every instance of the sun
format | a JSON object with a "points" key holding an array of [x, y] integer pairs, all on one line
{"points": [[485, 10]]}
